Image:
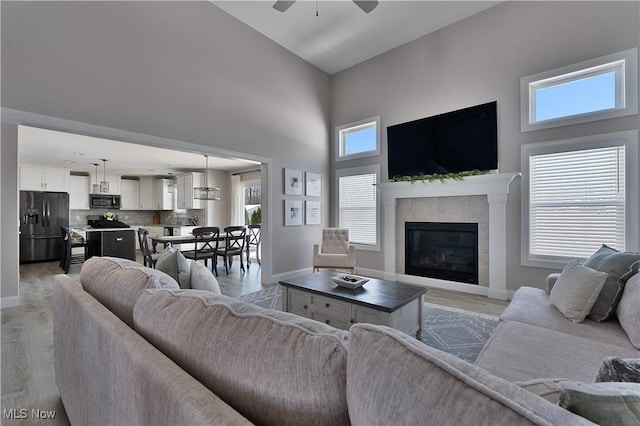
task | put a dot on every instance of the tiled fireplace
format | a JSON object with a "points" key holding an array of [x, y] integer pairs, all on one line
{"points": [[477, 200]]}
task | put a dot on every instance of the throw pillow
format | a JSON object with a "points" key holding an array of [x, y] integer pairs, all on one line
{"points": [[174, 264], [628, 312], [620, 267], [614, 404], [576, 290], [619, 370], [203, 279]]}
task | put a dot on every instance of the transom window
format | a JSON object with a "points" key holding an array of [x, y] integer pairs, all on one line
{"points": [[577, 195], [601, 88], [357, 140]]}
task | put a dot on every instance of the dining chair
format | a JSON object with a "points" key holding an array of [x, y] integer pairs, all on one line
{"points": [[149, 258], [67, 249], [234, 245], [253, 239], [206, 246]]}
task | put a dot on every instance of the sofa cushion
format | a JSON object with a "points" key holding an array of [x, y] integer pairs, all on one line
{"points": [[607, 404], [117, 283], [393, 379], [518, 352], [619, 370], [203, 279], [620, 267], [576, 290], [273, 367], [628, 312], [533, 306], [174, 264]]}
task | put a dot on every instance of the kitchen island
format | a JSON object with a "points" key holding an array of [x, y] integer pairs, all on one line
{"points": [[115, 242]]}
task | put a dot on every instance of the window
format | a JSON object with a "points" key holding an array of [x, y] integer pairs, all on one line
{"points": [[577, 195], [358, 205], [597, 89], [357, 140]]}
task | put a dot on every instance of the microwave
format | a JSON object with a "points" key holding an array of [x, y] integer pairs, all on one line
{"points": [[103, 201]]}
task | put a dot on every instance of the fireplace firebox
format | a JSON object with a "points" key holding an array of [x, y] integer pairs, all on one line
{"points": [[442, 250]]}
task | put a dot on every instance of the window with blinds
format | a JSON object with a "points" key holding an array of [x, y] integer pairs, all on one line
{"points": [[576, 202], [357, 204]]}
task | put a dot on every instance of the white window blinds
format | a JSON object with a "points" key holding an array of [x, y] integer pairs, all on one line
{"points": [[357, 207], [577, 202]]}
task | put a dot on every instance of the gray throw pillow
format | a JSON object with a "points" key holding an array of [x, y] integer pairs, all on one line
{"points": [[576, 290], [174, 264], [620, 267], [607, 404], [619, 370]]}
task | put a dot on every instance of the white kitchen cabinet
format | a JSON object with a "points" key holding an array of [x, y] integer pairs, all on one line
{"points": [[114, 183], [163, 197], [146, 193], [44, 179], [185, 184], [79, 192], [130, 198]]}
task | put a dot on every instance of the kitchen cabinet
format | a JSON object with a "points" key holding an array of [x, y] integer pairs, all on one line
{"points": [[79, 187], [115, 243], [146, 193], [155, 231], [185, 184], [130, 198], [44, 179], [163, 197], [114, 182]]}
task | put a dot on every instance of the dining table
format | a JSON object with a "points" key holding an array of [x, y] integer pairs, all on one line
{"points": [[176, 240]]}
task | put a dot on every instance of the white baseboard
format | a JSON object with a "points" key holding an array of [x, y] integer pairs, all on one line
{"points": [[9, 302], [291, 274]]}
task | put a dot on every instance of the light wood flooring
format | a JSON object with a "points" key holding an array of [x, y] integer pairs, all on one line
{"points": [[28, 381]]}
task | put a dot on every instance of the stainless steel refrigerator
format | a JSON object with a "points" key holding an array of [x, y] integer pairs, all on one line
{"points": [[41, 216]]}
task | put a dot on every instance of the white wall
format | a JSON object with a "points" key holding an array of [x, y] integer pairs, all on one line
{"points": [[482, 59], [183, 71], [9, 253]]}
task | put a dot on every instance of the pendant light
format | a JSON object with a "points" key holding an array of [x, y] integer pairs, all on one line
{"points": [[104, 185], [96, 185], [205, 192]]}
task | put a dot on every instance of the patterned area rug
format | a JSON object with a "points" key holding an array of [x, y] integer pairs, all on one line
{"points": [[458, 332]]}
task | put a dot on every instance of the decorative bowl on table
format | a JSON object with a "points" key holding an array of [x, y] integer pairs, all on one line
{"points": [[349, 281]]}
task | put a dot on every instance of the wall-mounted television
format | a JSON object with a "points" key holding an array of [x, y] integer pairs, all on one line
{"points": [[452, 142]]}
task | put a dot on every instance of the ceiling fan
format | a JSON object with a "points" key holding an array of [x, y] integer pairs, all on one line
{"points": [[366, 6]]}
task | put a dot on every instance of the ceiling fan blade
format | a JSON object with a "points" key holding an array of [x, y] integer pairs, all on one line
{"points": [[366, 6], [283, 5]]}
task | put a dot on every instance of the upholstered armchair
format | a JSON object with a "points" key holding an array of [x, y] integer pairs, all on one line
{"points": [[335, 252]]}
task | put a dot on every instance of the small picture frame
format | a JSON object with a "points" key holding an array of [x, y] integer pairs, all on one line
{"points": [[292, 182], [292, 212], [313, 212], [313, 184]]}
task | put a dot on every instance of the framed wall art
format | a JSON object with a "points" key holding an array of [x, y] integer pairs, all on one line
{"points": [[292, 212], [313, 184], [292, 182], [313, 213]]}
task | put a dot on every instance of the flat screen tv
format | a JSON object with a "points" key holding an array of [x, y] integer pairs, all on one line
{"points": [[452, 142]]}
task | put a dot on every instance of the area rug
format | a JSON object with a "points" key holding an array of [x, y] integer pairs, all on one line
{"points": [[456, 331]]}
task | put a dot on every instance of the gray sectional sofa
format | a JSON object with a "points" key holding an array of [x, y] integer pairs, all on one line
{"points": [[133, 348], [534, 340]]}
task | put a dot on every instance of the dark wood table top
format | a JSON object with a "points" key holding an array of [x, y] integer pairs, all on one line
{"points": [[382, 295]]}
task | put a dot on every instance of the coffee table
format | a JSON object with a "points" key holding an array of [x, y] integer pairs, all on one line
{"points": [[377, 302]]}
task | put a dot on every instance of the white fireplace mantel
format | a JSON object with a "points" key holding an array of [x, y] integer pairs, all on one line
{"points": [[494, 186]]}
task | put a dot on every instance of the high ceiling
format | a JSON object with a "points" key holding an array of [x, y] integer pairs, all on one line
{"points": [[342, 35]]}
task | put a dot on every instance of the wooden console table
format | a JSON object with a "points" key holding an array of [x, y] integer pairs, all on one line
{"points": [[377, 302]]}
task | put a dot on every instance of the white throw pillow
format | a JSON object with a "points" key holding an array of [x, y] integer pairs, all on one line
{"points": [[576, 290], [203, 279]]}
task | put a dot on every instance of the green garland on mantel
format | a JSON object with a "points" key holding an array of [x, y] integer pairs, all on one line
{"points": [[442, 178]]}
